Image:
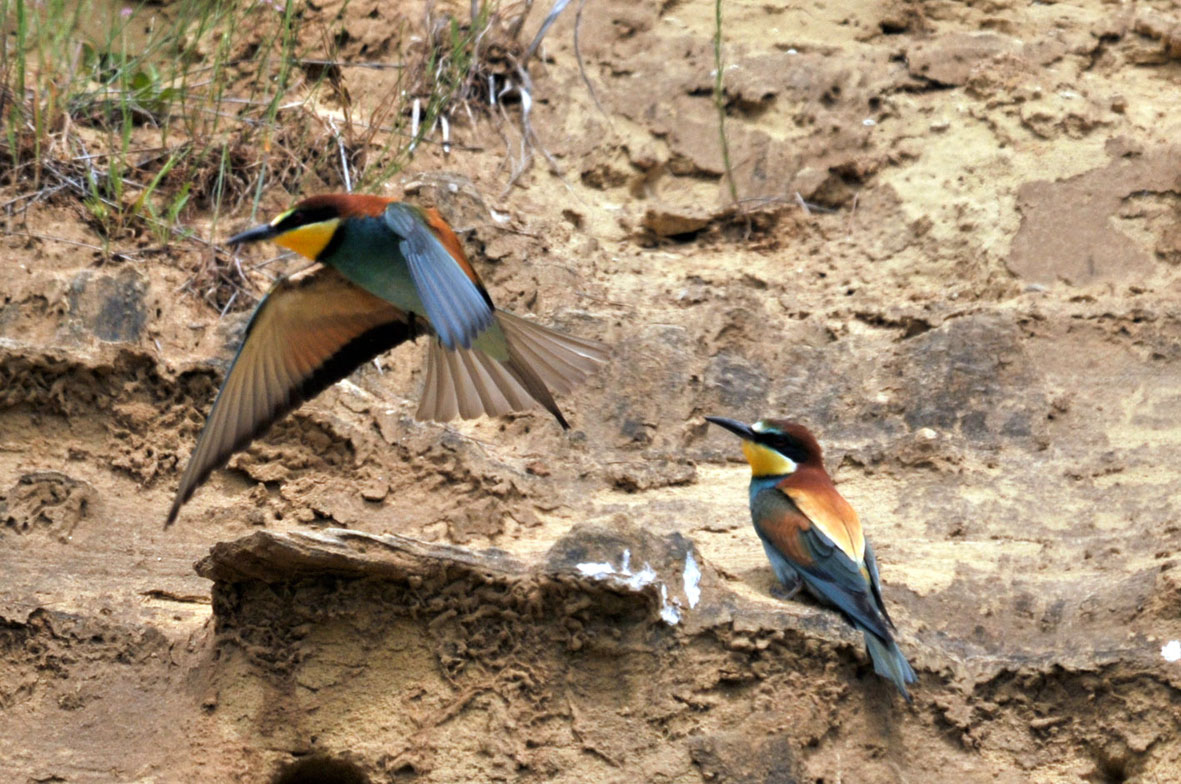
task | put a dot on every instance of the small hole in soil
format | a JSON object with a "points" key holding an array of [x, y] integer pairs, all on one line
{"points": [[320, 770]]}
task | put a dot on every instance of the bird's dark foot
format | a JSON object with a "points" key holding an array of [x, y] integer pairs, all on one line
{"points": [[787, 591]]}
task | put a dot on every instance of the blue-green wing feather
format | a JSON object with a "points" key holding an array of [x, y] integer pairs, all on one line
{"points": [[835, 577], [454, 304], [827, 571], [875, 582], [830, 575]]}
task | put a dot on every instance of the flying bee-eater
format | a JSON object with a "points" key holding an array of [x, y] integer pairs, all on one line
{"points": [[814, 538], [391, 272]]}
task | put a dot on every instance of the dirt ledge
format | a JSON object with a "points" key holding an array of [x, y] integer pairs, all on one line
{"points": [[570, 660]]}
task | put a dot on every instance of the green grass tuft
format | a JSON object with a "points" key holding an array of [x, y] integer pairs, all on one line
{"points": [[146, 116]]}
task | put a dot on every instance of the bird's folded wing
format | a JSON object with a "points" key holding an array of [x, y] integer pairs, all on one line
{"points": [[875, 582], [305, 335], [824, 566], [454, 304], [831, 513]]}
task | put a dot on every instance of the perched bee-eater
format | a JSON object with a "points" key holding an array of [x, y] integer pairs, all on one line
{"points": [[392, 272], [813, 537]]}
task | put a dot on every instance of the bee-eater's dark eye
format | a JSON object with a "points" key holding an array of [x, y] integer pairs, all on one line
{"points": [[787, 445], [304, 216]]}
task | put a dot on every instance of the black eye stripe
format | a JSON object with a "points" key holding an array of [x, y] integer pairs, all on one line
{"points": [[785, 445], [305, 217]]}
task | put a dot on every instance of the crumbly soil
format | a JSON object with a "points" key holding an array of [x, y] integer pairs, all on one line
{"points": [[957, 258]]}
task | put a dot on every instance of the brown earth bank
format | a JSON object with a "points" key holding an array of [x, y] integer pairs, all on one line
{"points": [[956, 258]]}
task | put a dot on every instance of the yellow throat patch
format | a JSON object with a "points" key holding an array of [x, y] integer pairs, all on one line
{"points": [[765, 461], [308, 240]]}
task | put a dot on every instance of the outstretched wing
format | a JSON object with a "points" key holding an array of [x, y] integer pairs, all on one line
{"points": [[454, 303], [305, 335]]}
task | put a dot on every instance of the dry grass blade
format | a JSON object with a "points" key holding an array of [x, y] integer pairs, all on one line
{"points": [[558, 7], [590, 88]]}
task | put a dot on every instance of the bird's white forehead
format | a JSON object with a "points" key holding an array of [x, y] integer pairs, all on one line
{"points": [[279, 218], [759, 427]]}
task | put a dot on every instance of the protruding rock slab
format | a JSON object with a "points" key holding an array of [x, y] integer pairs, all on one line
{"points": [[662, 574], [274, 557]]}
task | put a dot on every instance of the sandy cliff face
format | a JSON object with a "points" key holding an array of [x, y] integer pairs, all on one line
{"points": [[957, 262]]}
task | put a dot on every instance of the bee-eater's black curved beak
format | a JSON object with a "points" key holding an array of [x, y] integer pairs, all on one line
{"points": [[734, 426], [264, 232]]}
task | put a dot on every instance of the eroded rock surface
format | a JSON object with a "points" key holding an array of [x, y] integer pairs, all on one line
{"points": [[955, 257]]}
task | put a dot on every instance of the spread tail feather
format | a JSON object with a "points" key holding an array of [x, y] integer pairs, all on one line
{"points": [[560, 361], [468, 383], [889, 662]]}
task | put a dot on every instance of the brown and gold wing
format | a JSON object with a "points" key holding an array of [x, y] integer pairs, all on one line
{"points": [[828, 511], [828, 571], [783, 526], [306, 334]]}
